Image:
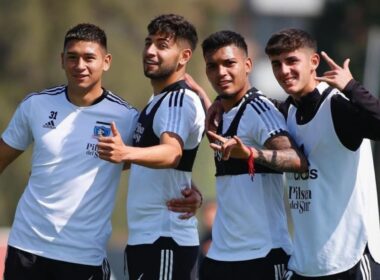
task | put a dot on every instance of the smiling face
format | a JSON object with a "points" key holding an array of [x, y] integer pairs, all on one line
{"points": [[84, 63], [227, 69], [165, 59], [295, 71], [160, 56]]}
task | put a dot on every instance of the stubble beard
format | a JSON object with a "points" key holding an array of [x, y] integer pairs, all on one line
{"points": [[160, 74]]}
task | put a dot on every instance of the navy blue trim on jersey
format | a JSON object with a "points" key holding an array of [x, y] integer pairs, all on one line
{"points": [[176, 86], [174, 96], [148, 138], [117, 99], [234, 166], [49, 91]]}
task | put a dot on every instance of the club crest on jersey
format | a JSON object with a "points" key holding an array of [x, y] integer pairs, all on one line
{"points": [[102, 129]]}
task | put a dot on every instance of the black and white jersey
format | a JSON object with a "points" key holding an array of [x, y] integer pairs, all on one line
{"points": [[251, 218], [178, 110], [333, 205], [64, 212]]}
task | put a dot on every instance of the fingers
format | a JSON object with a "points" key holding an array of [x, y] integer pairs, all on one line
{"points": [[105, 140], [186, 191], [215, 136], [329, 61], [186, 207], [186, 216], [238, 141], [189, 79]]}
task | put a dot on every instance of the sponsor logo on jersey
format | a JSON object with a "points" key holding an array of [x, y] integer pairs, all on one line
{"points": [[102, 129], [311, 174], [139, 131], [92, 150], [299, 199], [50, 124]]}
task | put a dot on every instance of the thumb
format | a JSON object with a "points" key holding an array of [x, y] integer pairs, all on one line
{"points": [[238, 141], [186, 191], [346, 63], [115, 132]]}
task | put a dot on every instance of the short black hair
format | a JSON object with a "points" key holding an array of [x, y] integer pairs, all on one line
{"points": [[86, 32], [176, 25], [223, 38], [288, 40]]}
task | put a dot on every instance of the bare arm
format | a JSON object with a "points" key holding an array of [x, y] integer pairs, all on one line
{"points": [[7, 155], [165, 155], [280, 154]]}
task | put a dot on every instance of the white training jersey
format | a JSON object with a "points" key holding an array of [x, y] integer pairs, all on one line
{"points": [[251, 218], [180, 112], [334, 205], [65, 210]]}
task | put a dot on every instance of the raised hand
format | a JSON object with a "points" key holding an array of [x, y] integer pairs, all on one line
{"points": [[230, 147], [337, 76], [111, 148]]}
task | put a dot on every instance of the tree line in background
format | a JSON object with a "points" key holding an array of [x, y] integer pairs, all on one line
{"points": [[32, 39]]}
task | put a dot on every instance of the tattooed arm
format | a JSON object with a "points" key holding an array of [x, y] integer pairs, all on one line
{"points": [[281, 153]]}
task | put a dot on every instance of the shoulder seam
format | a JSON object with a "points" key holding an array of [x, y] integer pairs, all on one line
{"points": [[49, 91]]}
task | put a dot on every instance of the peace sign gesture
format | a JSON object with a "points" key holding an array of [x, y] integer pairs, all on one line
{"points": [[230, 147], [337, 76]]}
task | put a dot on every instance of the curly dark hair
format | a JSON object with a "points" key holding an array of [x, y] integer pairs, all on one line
{"points": [[176, 25]]}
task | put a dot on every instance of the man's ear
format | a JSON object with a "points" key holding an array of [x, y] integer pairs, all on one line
{"points": [[248, 65], [314, 60], [107, 62], [185, 56]]}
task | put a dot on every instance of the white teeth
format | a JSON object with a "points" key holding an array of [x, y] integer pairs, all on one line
{"points": [[288, 81], [150, 62]]}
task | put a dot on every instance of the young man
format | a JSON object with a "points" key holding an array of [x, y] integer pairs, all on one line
{"points": [[250, 237], [161, 245], [62, 222], [333, 205]]}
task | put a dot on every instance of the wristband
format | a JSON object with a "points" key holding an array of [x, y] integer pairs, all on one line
{"points": [[251, 163]]}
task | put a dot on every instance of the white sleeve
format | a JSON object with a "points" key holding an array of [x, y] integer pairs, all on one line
{"points": [[262, 120], [181, 113], [18, 134]]}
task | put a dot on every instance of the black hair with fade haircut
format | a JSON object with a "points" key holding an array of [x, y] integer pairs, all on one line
{"points": [[222, 39], [86, 32], [175, 25], [288, 40]]}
